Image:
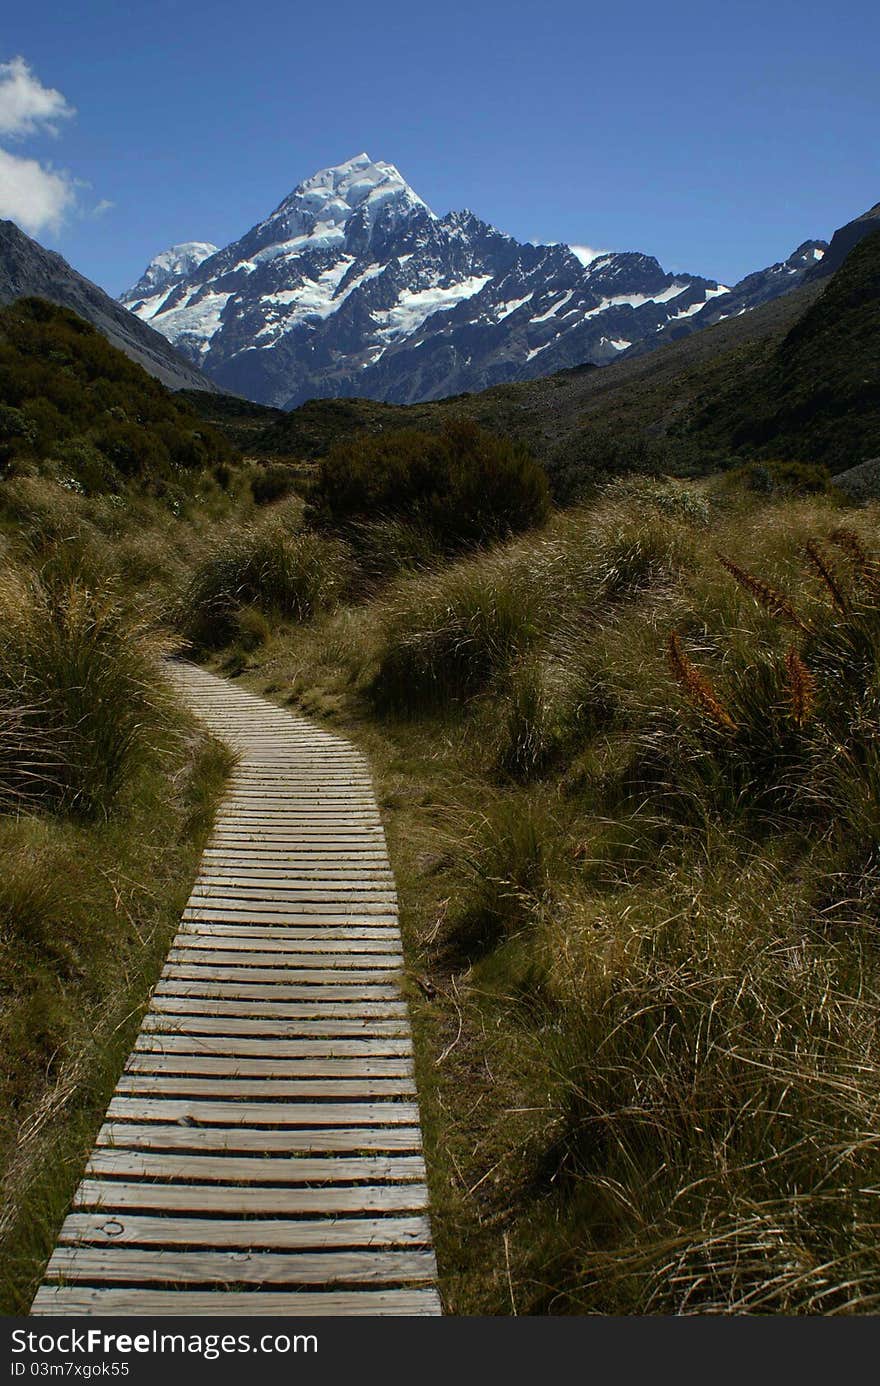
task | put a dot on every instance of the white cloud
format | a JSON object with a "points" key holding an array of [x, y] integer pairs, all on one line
{"points": [[32, 195], [586, 254], [101, 208], [26, 106]]}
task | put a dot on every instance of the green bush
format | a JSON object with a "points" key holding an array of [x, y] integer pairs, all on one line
{"points": [[592, 457], [463, 485], [783, 478], [272, 483]]}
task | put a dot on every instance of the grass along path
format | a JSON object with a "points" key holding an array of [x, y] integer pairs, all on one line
{"points": [[635, 899]]}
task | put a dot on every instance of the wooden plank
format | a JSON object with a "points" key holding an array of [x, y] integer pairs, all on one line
{"points": [[263, 1089], [244, 1199], [269, 1114], [206, 929], [130, 1229], [344, 912], [257, 858], [347, 797], [317, 1011], [289, 973], [240, 1169], [298, 810], [222, 960], [366, 1028], [92, 1302], [280, 945], [309, 872], [277, 991], [290, 1141], [317, 891], [240, 1067], [280, 835], [133, 1265], [298, 877], [363, 1046]]}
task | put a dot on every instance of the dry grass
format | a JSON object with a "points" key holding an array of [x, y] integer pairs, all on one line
{"points": [[648, 1070]]}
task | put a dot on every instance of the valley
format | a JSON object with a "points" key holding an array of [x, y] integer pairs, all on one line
{"points": [[609, 640]]}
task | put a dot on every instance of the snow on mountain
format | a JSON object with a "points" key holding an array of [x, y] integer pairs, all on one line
{"points": [[749, 293], [166, 269], [353, 286]]}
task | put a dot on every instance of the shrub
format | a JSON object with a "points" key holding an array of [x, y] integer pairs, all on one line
{"points": [[464, 485], [284, 575], [783, 478], [272, 483], [593, 456]]}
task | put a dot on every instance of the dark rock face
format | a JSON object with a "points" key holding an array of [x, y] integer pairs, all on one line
{"points": [[27, 270], [861, 483], [354, 287], [844, 240], [760, 287]]}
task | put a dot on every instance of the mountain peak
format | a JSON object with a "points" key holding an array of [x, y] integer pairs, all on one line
{"points": [[353, 286], [168, 267], [333, 195]]}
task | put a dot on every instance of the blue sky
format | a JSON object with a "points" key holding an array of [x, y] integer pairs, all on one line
{"points": [[715, 137]]}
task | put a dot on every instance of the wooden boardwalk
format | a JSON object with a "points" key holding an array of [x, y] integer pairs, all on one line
{"points": [[261, 1153]]}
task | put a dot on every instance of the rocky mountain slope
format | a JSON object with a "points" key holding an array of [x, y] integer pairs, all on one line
{"points": [[28, 270], [353, 286]]}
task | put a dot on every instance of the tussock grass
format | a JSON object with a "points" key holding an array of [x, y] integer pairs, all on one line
{"points": [[80, 690], [282, 574], [448, 634], [632, 791]]}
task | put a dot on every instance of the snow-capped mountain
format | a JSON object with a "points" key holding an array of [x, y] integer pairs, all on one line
{"points": [[353, 286], [163, 271]]}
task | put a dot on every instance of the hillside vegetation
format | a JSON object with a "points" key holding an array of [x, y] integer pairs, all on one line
{"points": [[818, 399], [78, 409]]}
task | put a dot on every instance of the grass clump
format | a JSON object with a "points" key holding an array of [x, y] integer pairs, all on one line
{"points": [[81, 695], [289, 576], [446, 635], [512, 861]]}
